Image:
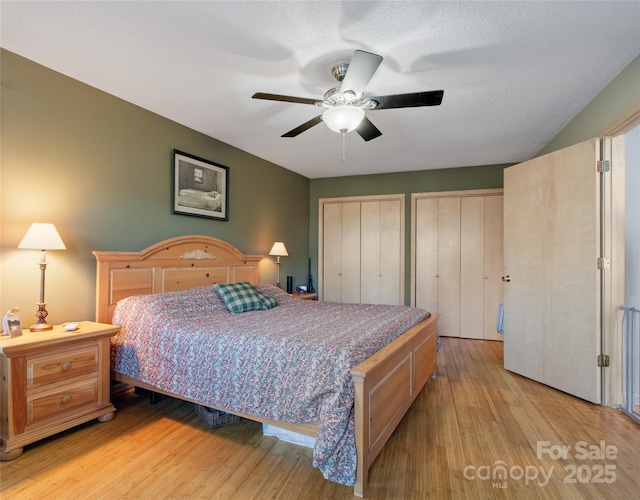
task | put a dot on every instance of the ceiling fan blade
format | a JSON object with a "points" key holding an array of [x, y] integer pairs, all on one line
{"points": [[284, 98], [361, 68], [368, 130], [431, 98], [305, 126]]}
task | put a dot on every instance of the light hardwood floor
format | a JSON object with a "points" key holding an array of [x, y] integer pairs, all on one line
{"points": [[472, 418]]}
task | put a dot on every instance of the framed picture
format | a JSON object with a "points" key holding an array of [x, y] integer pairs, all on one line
{"points": [[11, 323], [200, 187]]}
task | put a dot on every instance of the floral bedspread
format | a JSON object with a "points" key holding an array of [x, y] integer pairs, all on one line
{"points": [[290, 363]]}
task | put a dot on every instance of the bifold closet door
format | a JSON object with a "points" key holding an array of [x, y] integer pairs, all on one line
{"points": [[493, 264], [458, 261], [426, 254], [472, 275], [361, 249], [380, 243], [481, 263], [341, 250], [449, 266], [437, 267]]}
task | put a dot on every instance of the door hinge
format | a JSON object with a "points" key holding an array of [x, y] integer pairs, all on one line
{"points": [[603, 166], [603, 263], [603, 360]]}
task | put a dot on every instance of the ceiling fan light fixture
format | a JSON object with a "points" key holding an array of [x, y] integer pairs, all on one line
{"points": [[342, 119], [346, 104]]}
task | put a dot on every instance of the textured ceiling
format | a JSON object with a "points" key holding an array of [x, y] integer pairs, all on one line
{"points": [[514, 73]]}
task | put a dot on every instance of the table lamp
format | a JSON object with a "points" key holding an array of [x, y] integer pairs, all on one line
{"points": [[42, 237], [279, 250]]}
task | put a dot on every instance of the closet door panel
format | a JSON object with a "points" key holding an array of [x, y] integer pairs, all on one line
{"points": [[391, 253], [426, 254], [472, 267], [370, 252], [350, 252], [449, 266], [332, 252], [493, 264]]}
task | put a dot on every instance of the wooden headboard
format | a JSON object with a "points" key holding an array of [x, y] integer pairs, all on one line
{"points": [[174, 264]]}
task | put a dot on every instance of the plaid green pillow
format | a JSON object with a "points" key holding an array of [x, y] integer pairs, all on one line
{"points": [[268, 301], [240, 297]]}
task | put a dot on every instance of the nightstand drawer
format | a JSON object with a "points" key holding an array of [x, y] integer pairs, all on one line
{"points": [[62, 366], [43, 405]]}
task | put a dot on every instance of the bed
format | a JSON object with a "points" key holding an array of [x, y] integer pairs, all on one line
{"points": [[382, 383], [204, 200]]}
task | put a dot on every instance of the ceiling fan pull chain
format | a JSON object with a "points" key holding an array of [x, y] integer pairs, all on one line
{"points": [[344, 144]]}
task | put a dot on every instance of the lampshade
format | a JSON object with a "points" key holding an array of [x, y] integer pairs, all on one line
{"points": [[343, 118], [279, 249], [42, 236]]}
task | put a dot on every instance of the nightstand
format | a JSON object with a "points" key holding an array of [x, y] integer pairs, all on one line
{"points": [[52, 381], [305, 296]]}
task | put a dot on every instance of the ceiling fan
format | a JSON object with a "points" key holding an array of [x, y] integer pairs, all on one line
{"points": [[347, 103]]}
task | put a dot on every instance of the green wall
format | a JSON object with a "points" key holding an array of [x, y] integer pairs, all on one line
{"points": [[100, 169], [423, 181], [613, 101]]}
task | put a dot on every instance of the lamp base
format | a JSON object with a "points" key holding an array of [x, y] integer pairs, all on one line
{"points": [[41, 314], [40, 327]]}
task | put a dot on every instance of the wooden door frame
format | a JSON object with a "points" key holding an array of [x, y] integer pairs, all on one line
{"points": [[613, 248]]}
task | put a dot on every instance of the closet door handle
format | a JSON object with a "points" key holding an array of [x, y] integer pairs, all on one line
{"points": [[506, 278]]}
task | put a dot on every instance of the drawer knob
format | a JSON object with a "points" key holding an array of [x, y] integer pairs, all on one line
{"points": [[66, 366], [66, 399]]}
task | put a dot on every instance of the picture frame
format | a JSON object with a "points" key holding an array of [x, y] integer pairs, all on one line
{"points": [[200, 187], [15, 328], [11, 325]]}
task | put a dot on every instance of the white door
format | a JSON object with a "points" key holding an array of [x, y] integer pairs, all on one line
{"points": [[551, 244]]}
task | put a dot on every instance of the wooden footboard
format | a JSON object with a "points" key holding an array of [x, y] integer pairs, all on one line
{"points": [[386, 385]]}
